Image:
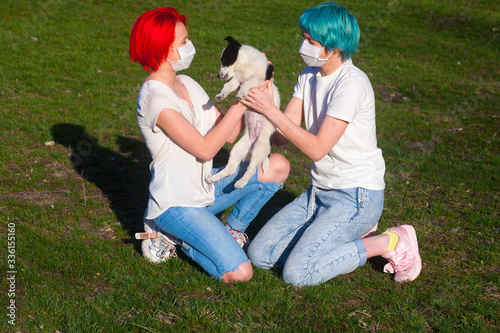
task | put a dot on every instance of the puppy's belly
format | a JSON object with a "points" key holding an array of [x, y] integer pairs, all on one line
{"points": [[255, 123]]}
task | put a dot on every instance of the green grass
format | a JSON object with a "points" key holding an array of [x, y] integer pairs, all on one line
{"points": [[65, 77]]}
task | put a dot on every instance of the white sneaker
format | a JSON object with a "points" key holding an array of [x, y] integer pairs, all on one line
{"points": [[158, 249], [240, 237]]}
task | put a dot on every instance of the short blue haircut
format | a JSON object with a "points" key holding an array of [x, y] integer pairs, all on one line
{"points": [[333, 26]]}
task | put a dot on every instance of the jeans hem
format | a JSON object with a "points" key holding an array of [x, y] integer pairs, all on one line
{"points": [[363, 256]]}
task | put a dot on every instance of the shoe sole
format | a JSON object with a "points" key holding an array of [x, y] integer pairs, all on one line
{"points": [[371, 233], [149, 231], [414, 247]]}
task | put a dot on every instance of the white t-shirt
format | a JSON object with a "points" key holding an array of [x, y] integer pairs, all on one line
{"points": [[346, 94], [177, 177]]}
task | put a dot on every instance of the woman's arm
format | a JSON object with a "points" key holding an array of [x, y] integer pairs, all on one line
{"points": [[237, 130], [294, 112], [184, 134], [313, 146]]}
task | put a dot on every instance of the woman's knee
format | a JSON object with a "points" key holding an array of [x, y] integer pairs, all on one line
{"points": [[255, 255], [295, 276], [279, 168], [290, 278], [244, 273]]}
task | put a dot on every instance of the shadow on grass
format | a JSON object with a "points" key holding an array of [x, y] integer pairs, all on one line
{"points": [[122, 177]]}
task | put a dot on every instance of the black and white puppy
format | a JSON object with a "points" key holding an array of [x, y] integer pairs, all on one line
{"points": [[247, 68]]}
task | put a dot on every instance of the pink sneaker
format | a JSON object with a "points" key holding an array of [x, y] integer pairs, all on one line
{"points": [[404, 261]]}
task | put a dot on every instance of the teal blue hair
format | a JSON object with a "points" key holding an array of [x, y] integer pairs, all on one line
{"points": [[333, 26]]}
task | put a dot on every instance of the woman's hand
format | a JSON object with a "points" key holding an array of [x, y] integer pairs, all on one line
{"points": [[261, 99]]}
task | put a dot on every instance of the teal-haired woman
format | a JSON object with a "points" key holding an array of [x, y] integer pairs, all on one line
{"points": [[331, 228]]}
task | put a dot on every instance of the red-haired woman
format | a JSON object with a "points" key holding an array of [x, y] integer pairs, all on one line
{"points": [[183, 132]]}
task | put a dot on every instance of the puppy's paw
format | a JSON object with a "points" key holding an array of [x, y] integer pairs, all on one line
{"points": [[210, 180], [240, 183], [241, 96], [220, 97]]}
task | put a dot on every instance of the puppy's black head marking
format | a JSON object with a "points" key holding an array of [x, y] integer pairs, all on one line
{"points": [[230, 53]]}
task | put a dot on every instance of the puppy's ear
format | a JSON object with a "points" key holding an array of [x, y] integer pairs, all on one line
{"points": [[232, 42], [230, 53], [269, 72]]}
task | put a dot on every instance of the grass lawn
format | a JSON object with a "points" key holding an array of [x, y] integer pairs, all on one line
{"points": [[74, 170]]}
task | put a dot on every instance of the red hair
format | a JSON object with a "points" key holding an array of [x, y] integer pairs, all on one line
{"points": [[152, 35]]}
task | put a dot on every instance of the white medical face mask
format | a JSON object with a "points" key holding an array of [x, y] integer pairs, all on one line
{"points": [[311, 53], [186, 52]]}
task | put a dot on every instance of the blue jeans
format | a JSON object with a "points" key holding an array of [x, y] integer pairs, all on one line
{"points": [[316, 237], [204, 237]]}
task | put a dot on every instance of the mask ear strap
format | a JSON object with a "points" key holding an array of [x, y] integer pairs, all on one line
{"points": [[332, 52], [177, 53]]}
